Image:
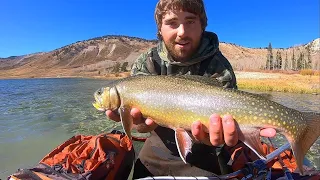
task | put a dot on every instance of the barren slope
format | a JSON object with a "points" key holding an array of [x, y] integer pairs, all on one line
{"points": [[100, 55]]}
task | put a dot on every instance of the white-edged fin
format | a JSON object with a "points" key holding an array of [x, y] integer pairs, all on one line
{"points": [[184, 143], [126, 120], [251, 138], [301, 145]]}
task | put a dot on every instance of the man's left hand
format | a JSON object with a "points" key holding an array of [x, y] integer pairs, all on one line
{"points": [[222, 131]]}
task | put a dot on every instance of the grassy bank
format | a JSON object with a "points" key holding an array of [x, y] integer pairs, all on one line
{"points": [[306, 82], [294, 83], [264, 85]]}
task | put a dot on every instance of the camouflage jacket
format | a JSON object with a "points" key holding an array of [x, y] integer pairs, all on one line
{"points": [[159, 155], [207, 61]]}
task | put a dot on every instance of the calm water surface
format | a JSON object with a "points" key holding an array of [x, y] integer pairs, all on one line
{"points": [[39, 114]]}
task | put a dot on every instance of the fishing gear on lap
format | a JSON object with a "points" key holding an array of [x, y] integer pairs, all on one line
{"points": [[256, 170]]}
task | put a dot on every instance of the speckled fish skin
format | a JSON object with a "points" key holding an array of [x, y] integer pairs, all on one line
{"points": [[178, 101]]}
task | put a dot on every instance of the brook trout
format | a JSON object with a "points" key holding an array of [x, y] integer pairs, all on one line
{"points": [[177, 101]]}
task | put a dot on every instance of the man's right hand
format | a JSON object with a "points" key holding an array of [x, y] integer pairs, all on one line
{"points": [[142, 125]]}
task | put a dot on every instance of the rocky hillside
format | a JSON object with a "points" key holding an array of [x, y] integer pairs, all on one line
{"points": [[243, 58], [102, 55]]}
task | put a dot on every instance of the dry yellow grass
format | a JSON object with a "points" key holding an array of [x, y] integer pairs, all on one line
{"points": [[262, 81], [295, 83], [309, 72]]}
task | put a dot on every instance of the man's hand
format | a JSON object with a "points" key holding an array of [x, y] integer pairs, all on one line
{"points": [[222, 130], [142, 125]]}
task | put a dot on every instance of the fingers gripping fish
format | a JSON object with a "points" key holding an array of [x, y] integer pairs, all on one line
{"points": [[177, 101]]}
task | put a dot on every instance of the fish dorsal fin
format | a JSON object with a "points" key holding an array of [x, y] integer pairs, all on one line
{"points": [[251, 138], [184, 143], [126, 120], [202, 79]]}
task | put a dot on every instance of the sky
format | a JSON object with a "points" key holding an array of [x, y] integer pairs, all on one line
{"points": [[30, 26]]}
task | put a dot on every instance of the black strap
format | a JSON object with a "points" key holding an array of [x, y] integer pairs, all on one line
{"points": [[31, 174], [58, 170], [114, 131]]}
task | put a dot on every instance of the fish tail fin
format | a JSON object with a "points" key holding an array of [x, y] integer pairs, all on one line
{"points": [[303, 144], [126, 120]]}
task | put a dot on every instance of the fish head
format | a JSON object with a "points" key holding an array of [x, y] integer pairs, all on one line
{"points": [[106, 98]]}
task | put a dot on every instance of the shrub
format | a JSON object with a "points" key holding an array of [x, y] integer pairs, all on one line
{"points": [[306, 72]]}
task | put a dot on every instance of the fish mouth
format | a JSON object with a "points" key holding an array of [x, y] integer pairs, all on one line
{"points": [[97, 103]]}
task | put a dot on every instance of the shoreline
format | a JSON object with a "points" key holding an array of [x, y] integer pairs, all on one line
{"points": [[261, 81]]}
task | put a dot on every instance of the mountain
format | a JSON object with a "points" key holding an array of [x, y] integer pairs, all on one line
{"points": [[103, 55]]}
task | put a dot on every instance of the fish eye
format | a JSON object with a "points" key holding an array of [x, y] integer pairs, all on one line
{"points": [[99, 92]]}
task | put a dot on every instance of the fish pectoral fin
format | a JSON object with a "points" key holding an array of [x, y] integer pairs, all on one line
{"points": [[126, 120], [251, 138], [184, 143]]}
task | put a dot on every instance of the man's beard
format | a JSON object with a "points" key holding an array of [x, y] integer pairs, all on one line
{"points": [[181, 55]]}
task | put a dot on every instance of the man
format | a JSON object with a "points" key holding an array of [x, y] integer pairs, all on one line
{"points": [[184, 48]]}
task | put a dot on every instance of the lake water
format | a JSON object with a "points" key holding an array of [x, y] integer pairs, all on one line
{"points": [[36, 115]]}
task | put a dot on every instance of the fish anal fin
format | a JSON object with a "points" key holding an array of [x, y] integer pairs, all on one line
{"points": [[251, 138], [126, 120], [184, 143]]}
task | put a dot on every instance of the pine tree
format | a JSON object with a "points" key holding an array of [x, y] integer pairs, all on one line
{"points": [[309, 61], [300, 61], [278, 63], [293, 61], [304, 62], [116, 67], [286, 62], [124, 67], [269, 63]]}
